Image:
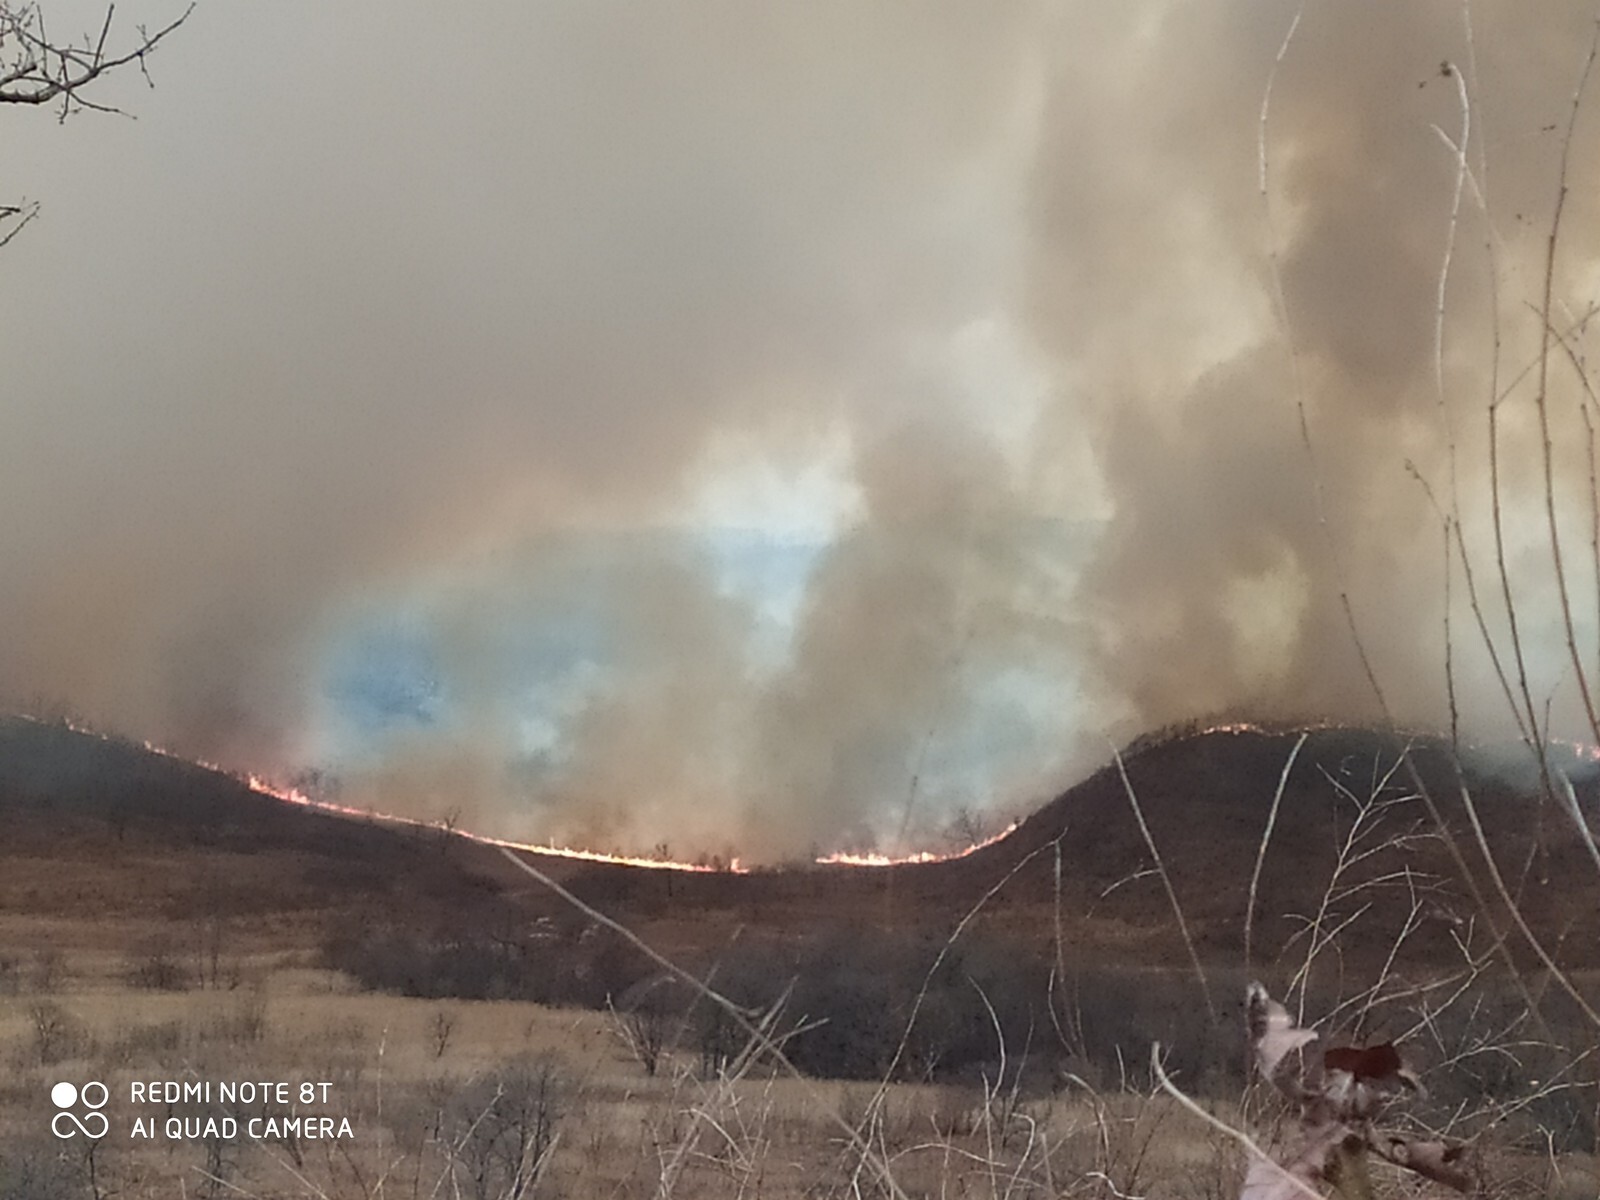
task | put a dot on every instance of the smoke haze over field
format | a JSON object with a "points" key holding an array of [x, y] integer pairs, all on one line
{"points": [[765, 426]]}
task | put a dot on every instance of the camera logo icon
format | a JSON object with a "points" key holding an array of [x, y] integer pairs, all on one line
{"points": [[93, 1124]]}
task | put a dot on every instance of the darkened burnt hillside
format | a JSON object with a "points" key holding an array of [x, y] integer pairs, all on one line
{"points": [[1353, 795], [96, 830], [93, 821]]}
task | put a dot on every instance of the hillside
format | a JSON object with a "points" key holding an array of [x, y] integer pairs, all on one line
{"points": [[106, 843]]}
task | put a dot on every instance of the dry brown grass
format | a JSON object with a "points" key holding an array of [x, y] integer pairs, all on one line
{"points": [[620, 1133]]}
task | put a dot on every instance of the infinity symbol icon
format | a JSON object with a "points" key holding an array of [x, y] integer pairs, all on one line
{"points": [[83, 1124]]}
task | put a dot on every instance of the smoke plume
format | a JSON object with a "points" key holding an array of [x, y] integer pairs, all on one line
{"points": [[757, 427]]}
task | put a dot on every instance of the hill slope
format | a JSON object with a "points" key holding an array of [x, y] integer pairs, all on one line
{"points": [[104, 840]]}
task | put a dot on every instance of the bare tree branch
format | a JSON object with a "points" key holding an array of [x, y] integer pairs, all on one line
{"points": [[18, 215], [34, 69], [37, 70]]}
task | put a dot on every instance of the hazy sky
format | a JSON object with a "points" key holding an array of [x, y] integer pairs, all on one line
{"points": [[769, 425]]}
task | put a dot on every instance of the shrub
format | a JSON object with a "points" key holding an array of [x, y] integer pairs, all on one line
{"points": [[57, 1034], [157, 968], [499, 1132]]}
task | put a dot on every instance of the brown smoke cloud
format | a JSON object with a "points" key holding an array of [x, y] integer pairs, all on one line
{"points": [[1218, 582], [326, 333]]}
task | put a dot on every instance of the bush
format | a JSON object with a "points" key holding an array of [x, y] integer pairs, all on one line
{"points": [[156, 968], [581, 965], [854, 997], [499, 1132], [1115, 1013], [244, 1023], [148, 1040], [57, 1034]]}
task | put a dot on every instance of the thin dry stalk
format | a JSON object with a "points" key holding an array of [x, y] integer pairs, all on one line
{"points": [[938, 961], [1257, 1154], [1586, 834], [1166, 882], [1556, 973], [1357, 847], [1261, 850], [1542, 395]]}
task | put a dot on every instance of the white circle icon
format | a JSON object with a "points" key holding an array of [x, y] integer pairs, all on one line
{"points": [[64, 1095]]}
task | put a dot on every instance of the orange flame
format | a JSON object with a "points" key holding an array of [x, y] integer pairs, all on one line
{"points": [[295, 796], [844, 858], [264, 787]]}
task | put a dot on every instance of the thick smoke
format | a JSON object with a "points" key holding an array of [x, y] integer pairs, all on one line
{"points": [[1230, 542], [459, 332]]}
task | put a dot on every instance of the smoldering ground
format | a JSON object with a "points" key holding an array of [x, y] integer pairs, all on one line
{"points": [[492, 328]]}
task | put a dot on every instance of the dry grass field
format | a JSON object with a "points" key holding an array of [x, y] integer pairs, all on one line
{"points": [[499, 1099], [422, 1084], [161, 925]]}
